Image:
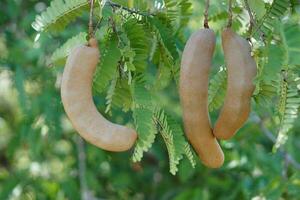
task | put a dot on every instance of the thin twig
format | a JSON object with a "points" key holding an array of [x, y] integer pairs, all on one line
{"points": [[252, 20], [206, 14], [91, 29], [289, 158], [230, 15], [114, 28], [253, 24], [285, 167], [98, 25], [115, 5]]}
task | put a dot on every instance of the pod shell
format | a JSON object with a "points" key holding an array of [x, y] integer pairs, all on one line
{"points": [[194, 80], [77, 99], [241, 70]]}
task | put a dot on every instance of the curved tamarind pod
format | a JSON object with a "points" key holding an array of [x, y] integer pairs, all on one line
{"points": [[76, 93], [242, 70], [194, 79]]}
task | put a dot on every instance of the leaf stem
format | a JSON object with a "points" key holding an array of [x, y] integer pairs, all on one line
{"points": [[288, 157], [115, 5]]}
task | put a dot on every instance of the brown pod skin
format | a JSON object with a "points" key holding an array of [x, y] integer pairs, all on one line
{"points": [[76, 94], [241, 69], [194, 80]]}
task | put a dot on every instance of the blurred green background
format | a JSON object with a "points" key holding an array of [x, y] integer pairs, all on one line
{"points": [[41, 157]]}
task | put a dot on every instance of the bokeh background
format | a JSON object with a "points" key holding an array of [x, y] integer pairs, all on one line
{"points": [[42, 157]]}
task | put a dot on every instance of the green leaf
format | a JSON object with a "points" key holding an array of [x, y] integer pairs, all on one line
{"points": [[265, 92], [178, 12], [290, 42], [163, 77], [20, 83], [110, 94], [217, 89], [258, 6], [176, 144], [277, 10], [288, 107], [143, 118], [123, 95], [108, 66], [59, 14], [59, 56], [165, 33], [139, 43]]}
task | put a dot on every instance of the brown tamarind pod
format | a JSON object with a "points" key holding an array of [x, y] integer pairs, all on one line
{"points": [[76, 94], [241, 69], [194, 80]]}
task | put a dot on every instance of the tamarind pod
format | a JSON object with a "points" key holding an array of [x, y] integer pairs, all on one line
{"points": [[241, 71], [193, 86], [76, 94]]}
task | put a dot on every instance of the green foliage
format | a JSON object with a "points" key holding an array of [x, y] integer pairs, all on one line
{"points": [[164, 50], [290, 44], [265, 92], [118, 95], [59, 14], [143, 118], [173, 137], [108, 65], [138, 42], [59, 56], [277, 10], [184, 13], [3, 48], [288, 107], [40, 156], [178, 12], [164, 34], [146, 116], [289, 97], [110, 94], [258, 7], [217, 90], [222, 15], [163, 77]]}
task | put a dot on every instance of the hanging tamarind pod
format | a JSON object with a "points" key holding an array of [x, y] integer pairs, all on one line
{"points": [[76, 94], [194, 80], [241, 69]]}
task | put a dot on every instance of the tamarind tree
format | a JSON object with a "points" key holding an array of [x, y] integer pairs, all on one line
{"points": [[136, 83]]}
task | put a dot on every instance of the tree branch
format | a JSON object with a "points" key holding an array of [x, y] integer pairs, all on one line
{"points": [[288, 158], [82, 168]]}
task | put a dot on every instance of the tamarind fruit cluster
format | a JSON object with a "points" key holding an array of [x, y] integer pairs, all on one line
{"points": [[194, 80], [77, 99]]}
